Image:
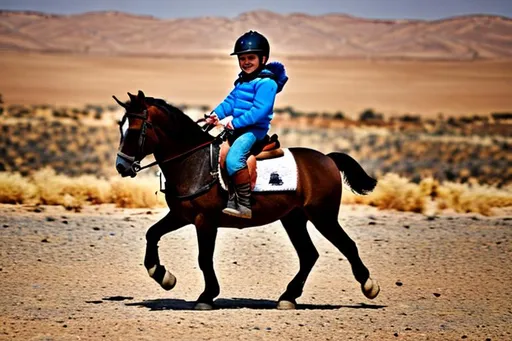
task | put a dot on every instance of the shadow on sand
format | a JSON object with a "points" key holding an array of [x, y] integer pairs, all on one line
{"points": [[239, 303]]}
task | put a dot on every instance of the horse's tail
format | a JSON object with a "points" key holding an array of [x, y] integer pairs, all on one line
{"points": [[354, 174]]}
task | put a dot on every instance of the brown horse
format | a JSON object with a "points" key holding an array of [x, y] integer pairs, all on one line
{"points": [[187, 157]]}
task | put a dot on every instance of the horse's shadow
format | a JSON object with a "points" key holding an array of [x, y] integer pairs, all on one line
{"points": [[240, 303]]}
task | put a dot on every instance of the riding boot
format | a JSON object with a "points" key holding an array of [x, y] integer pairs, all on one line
{"points": [[242, 202], [232, 204]]}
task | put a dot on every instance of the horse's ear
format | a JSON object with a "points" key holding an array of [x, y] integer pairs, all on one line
{"points": [[141, 98], [120, 103], [133, 98]]}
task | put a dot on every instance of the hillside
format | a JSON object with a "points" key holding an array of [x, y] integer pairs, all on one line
{"points": [[293, 35]]}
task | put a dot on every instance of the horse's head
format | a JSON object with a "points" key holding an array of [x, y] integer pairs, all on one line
{"points": [[138, 136], [151, 126]]}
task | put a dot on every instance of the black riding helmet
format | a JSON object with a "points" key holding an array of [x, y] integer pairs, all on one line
{"points": [[252, 41]]}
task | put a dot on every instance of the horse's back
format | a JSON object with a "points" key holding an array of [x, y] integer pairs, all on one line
{"points": [[319, 177]]}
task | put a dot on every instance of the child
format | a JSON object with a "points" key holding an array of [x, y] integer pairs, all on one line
{"points": [[248, 110]]}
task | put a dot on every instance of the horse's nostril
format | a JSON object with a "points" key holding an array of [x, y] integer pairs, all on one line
{"points": [[120, 168]]}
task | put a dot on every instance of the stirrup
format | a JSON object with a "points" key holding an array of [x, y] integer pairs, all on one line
{"points": [[241, 212]]}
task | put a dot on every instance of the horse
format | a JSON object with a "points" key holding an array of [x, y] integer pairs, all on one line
{"points": [[187, 156]]}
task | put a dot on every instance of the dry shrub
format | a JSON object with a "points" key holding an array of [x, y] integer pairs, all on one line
{"points": [[429, 187], [14, 189], [475, 198], [392, 192], [55, 189], [71, 203], [136, 193]]}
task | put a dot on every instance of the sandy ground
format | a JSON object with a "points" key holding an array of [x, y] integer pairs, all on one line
{"points": [[79, 276], [350, 86]]}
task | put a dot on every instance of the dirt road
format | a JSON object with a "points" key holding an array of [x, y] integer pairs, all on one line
{"points": [[79, 276]]}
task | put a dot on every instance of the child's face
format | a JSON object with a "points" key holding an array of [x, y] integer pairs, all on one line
{"points": [[249, 62]]}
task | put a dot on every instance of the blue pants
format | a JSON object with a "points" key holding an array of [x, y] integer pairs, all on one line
{"points": [[239, 152]]}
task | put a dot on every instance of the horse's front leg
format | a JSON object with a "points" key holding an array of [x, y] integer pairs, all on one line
{"points": [[206, 235], [151, 260]]}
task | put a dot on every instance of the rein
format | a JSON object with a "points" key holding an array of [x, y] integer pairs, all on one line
{"points": [[136, 167]]}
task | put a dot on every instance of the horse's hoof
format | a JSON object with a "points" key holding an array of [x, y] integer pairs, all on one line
{"points": [[169, 281], [285, 305], [203, 306], [370, 288]]}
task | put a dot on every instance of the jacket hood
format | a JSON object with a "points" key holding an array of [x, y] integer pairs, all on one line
{"points": [[276, 71]]}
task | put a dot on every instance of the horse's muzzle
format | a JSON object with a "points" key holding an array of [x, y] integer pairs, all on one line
{"points": [[124, 168]]}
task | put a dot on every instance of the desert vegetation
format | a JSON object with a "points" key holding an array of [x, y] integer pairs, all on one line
{"points": [[46, 187], [66, 156]]}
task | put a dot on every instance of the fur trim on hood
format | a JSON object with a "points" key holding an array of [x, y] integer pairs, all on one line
{"points": [[277, 73]]}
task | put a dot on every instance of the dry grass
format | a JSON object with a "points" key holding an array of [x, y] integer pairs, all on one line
{"points": [[14, 189], [477, 198], [46, 187], [56, 189], [398, 193], [136, 193], [392, 192]]}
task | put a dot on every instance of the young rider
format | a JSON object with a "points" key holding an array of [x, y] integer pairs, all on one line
{"points": [[248, 110]]}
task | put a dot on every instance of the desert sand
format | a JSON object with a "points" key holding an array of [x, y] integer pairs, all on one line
{"points": [[395, 87], [79, 276]]}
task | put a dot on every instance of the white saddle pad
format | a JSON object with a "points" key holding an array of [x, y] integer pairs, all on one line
{"points": [[273, 175], [278, 174]]}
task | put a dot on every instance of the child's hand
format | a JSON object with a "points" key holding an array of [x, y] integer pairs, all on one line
{"points": [[212, 119], [226, 122]]}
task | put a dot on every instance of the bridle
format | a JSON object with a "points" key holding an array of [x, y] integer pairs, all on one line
{"points": [[146, 124], [135, 160]]}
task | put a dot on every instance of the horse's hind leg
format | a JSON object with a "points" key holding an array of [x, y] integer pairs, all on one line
{"points": [[327, 224], [151, 259], [295, 225]]}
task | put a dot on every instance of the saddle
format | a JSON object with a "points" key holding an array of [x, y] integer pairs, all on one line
{"points": [[268, 148]]}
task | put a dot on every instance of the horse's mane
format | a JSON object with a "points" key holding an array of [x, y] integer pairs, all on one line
{"points": [[177, 115], [170, 109]]}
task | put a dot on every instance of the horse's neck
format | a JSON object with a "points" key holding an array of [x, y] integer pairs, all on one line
{"points": [[178, 142]]}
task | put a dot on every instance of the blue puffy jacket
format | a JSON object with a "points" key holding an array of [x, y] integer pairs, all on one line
{"points": [[251, 103]]}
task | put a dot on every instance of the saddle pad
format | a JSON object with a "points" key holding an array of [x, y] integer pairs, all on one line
{"points": [[278, 174]]}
